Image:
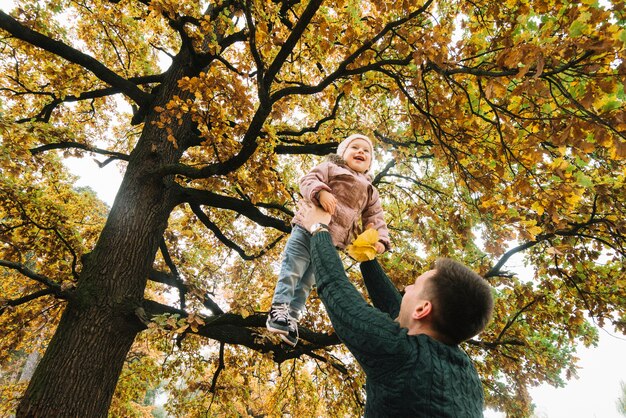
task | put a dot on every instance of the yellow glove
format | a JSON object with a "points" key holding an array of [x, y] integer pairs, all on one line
{"points": [[363, 247]]}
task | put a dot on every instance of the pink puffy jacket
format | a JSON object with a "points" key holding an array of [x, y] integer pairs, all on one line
{"points": [[358, 203]]}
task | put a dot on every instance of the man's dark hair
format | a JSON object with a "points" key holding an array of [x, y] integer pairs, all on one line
{"points": [[462, 301]]}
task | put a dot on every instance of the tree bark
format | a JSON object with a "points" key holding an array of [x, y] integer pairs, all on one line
{"points": [[78, 373]]}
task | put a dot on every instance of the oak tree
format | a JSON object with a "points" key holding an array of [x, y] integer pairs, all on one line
{"points": [[500, 131]]}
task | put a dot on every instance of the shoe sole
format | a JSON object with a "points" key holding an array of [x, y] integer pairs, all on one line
{"points": [[276, 329], [287, 341]]}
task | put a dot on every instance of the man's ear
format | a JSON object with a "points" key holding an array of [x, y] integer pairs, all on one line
{"points": [[422, 310]]}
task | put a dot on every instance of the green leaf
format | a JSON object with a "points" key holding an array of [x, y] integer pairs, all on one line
{"points": [[583, 179], [577, 29], [611, 105]]}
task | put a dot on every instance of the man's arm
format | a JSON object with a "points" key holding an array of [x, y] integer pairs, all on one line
{"points": [[383, 293], [374, 338]]}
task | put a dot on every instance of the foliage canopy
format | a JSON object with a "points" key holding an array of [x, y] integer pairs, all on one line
{"points": [[500, 130]]}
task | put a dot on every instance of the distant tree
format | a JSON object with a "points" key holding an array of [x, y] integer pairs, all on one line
{"points": [[500, 129], [621, 401]]}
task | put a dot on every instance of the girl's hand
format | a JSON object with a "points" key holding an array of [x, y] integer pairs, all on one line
{"points": [[327, 201], [379, 246]]}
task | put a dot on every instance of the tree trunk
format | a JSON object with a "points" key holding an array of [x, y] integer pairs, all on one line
{"points": [[79, 371], [78, 374]]}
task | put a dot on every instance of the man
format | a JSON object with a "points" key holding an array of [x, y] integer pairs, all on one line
{"points": [[413, 364]]}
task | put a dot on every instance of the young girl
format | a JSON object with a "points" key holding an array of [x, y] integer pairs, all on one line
{"points": [[343, 188]]}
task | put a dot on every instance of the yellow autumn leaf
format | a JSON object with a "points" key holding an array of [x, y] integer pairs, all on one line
{"points": [[362, 248], [534, 230], [537, 207]]}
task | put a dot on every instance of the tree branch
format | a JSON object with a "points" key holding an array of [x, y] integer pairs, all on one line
{"points": [[182, 290], [342, 69], [220, 367], [69, 144], [232, 328], [59, 235], [318, 124], [39, 40], [310, 149], [243, 207], [495, 344], [46, 112], [170, 280], [229, 243], [254, 51], [56, 288], [574, 231], [384, 172], [24, 299], [290, 44], [511, 321]]}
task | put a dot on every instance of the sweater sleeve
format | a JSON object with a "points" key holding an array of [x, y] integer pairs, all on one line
{"points": [[378, 343], [383, 293]]}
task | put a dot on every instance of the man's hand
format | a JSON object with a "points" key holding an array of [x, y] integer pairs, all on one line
{"points": [[328, 201], [313, 214]]}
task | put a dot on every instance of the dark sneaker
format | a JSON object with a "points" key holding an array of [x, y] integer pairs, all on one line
{"points": [[292, 337], [278, 319]]}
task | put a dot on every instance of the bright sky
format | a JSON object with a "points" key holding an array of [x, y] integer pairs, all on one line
{"points": [[593, 395]]}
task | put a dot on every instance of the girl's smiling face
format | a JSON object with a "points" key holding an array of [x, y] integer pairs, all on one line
{"points": [[358, 155]]}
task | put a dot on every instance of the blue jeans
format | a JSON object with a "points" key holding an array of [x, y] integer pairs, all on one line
{"points": [[296, 272]]}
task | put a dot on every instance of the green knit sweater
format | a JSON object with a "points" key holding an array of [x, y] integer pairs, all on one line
{"points": [[407, 375]]}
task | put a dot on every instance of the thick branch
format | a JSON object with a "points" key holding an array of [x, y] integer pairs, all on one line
{"points": [[243, 207], [290, 43], [309, 149], [235, 329], [220, 367], [383, 172], [67, 145], [46, 111], [39, 40], [24, 299], [249, 145], [343, 71], [182, 290], [260, 68], [32, 275]]}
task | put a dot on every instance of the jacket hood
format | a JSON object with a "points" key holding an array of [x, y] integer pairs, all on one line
{"points": [[336, 159]]}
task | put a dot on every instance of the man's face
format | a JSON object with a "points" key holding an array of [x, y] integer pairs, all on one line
{"points": [[413, 295]]}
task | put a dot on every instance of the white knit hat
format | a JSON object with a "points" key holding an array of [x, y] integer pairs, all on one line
{"points": [[341, 149]]}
